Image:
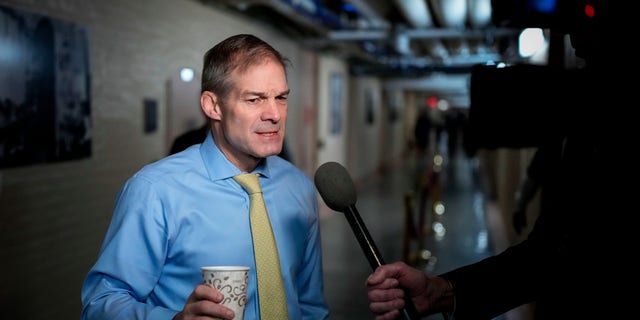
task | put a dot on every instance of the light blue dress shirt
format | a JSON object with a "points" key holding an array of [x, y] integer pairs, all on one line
{"points": [[185, 211]]}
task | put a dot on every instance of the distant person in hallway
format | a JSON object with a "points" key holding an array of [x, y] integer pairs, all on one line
{"points": [[189, 138], [422, 131], [573, 262], [186, 210], [454, 120]]}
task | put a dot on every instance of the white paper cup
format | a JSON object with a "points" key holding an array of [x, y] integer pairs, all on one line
{"points": [[231, 281]]}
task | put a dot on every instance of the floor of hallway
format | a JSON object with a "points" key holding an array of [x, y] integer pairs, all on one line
{"points": [[464, 235]]}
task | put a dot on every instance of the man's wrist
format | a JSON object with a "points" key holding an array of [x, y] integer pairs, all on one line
{"points": [[449, 301]]}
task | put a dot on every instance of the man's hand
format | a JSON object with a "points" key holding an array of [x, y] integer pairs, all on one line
{"points": [[204, 301]]}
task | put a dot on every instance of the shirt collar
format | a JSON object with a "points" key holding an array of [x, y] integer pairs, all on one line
{"points": [[219, 167]]}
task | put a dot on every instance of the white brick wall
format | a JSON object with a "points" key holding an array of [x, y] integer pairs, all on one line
{"points": [[53, 216]]}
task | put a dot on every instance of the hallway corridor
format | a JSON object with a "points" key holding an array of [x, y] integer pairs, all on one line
{"points": [[464, 237]]}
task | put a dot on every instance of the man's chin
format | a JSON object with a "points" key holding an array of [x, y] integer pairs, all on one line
{"points": [[270, 152]]}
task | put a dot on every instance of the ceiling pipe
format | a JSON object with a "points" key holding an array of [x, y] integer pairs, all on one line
{"points": [[416, 12], [449, 13], [479, 13], [306, 13], [374, 20], [339, 36], [430, 33], [450, 33]]}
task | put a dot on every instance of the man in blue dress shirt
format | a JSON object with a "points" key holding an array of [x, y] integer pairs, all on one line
{"points": [[186, 211]]}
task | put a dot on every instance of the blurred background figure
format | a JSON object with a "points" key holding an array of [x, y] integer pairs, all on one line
{"points": [[422, 132], [189, 138]]}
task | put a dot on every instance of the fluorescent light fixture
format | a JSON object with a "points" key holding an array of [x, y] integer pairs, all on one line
{"points": [[530, 42], [186, 74]]}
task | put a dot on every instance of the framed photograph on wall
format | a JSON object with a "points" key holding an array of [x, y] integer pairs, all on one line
{"points": [[369, 116], [335, 118], [45, 113]]}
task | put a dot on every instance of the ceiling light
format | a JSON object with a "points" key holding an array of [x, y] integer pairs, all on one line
{"points": [[186, 74]]}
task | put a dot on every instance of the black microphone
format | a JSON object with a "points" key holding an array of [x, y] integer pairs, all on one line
{"points": [[339, 193]]}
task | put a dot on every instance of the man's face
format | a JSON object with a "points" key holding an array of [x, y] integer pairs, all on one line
{"points": [[254, 115]]}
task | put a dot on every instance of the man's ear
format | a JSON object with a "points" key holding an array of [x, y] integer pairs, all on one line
{"points": [[210, 106]]}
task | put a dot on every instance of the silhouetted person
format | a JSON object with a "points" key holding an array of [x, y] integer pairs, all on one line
{"points": [[422, 131], [189, 138], [453, 122], [575, 262]]}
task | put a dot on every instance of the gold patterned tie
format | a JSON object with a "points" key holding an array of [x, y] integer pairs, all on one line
{"points": [[270, 282]]}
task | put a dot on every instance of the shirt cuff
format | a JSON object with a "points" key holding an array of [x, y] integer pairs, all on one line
{"points": [[450, 315]]}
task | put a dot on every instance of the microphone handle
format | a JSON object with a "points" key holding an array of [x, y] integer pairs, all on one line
{"points": [[373, 255], [362, 234]]}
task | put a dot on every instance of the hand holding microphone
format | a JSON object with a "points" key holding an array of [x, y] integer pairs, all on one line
{"points": [[338, 192]]}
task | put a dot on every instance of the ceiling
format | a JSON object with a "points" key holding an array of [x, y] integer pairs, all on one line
{"points": [[392, 38]]}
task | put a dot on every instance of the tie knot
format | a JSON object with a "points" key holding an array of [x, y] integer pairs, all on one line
{"points": [[249, 182]]}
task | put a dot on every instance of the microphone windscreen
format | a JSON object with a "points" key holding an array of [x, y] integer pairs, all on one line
{"points": [[335, 186]]}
